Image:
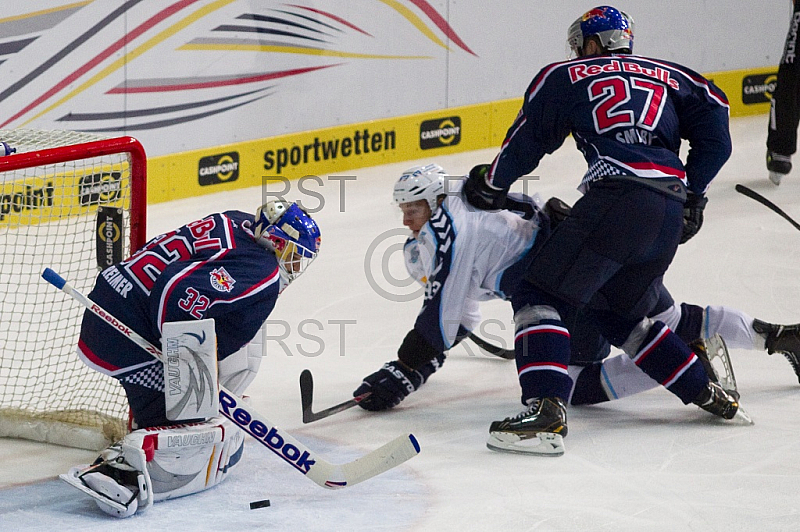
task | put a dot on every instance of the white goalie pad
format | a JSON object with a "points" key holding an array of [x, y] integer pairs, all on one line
{"points": [[191, 390], [160, 463]]}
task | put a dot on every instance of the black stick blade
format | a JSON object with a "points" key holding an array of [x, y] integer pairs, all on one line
{"points": [[741, 189]]}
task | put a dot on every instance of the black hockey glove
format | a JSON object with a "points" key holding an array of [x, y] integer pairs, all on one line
{"points": [[557, 210], [481, 194], [692, 216], [393, 382]]}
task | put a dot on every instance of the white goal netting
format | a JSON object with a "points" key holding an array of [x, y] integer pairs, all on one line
{"points": [[50, 216]]}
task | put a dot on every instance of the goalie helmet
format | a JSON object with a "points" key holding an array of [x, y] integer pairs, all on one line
{"points": [[287, 230], [613, 27], [421, 183]]}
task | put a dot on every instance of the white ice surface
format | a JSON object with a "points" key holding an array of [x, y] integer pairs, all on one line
{"points": [[642, 463]]}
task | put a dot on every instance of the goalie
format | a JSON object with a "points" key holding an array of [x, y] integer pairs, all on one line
{"points": [[201, 293]]}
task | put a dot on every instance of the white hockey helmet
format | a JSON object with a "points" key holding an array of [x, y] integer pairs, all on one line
{"points": [[613, 27], [421, 183], [287, 230]]}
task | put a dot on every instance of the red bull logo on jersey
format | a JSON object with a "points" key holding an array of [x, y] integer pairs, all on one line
{"points": [[221, 280], [583, 70]]}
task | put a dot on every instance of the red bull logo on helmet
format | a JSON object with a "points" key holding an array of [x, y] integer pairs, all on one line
{"points": [[596, 12], [221, 280]]}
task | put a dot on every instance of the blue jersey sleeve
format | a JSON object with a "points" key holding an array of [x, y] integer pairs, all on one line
{"points": [[628, 116]]}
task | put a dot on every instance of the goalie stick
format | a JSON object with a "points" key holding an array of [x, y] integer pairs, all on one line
{"points": [[283, 444], [764, 201]]}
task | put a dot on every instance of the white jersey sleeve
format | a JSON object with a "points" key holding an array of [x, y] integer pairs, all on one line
{"points": [[469, 251]]}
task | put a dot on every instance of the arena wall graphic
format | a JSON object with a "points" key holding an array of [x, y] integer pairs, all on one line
{"points": [[226, 93]]}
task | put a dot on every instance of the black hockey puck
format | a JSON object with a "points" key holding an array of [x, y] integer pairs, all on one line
{"points": [[259, 504]]}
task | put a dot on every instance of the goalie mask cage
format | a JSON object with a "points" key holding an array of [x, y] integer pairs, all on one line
{"points": [[52, 192]]}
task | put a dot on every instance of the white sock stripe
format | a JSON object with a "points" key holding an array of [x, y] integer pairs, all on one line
{"points": [[542, 366], [680, 371], [534, 329], [646, 349]]}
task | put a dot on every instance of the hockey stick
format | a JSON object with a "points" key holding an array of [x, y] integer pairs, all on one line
{"points": [[283, 444], [307, 397], [764, 201], [507, 354]]}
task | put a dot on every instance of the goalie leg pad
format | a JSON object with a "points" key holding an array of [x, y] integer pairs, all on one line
{"points": [[187, 459], [160, 463]]}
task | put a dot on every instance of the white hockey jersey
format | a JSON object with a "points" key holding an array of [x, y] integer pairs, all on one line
{"points": [[461, 255]]}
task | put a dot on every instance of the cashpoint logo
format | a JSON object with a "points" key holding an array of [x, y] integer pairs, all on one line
{"points": [[103, 187], [440, 132], [26, 199], [216, 169], [109, 236], [758, 89]]}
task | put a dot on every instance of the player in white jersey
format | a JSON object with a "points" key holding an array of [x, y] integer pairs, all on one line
{"points": [[463, 255]]}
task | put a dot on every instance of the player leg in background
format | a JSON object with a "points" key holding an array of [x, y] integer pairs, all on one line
{"points": [[784, 114], [603, 379], [738, 329]]}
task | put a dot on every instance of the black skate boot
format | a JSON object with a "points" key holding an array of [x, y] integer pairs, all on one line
{"points": [[783, 339], [778, 166], [539, 430], [714, 399]]}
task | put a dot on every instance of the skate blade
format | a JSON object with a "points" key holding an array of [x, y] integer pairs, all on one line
{"points": [[542, 444], [742, 417], [720, 360]]}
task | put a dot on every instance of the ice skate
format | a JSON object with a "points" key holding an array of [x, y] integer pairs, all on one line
{"points": [[783, 339], [539, 430], [715, 400], [778, 166], [713, 353]]}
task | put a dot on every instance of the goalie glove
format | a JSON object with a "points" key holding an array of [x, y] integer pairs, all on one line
{"points": [[692, 216], [480, 194]]}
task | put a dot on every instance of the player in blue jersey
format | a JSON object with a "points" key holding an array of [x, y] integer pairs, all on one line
{"points": [[463, 256], [628, 115], [228, 266]]}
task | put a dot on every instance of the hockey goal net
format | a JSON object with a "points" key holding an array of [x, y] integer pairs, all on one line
{"points": [[74, 202]]}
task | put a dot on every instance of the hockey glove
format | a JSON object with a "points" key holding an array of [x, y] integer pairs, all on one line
{"points": [[481, 194], [393, 382], [557, 210], [692, 216]]}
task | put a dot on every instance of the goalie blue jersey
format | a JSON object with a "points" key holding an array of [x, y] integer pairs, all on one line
{"points": [[627, 115], [209, 268]]}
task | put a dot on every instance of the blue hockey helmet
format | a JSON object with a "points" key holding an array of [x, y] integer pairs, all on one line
{"points": [[287, 230], [613, 28]]}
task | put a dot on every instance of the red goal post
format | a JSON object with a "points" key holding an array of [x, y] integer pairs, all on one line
{"points": [[74, 202]]}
